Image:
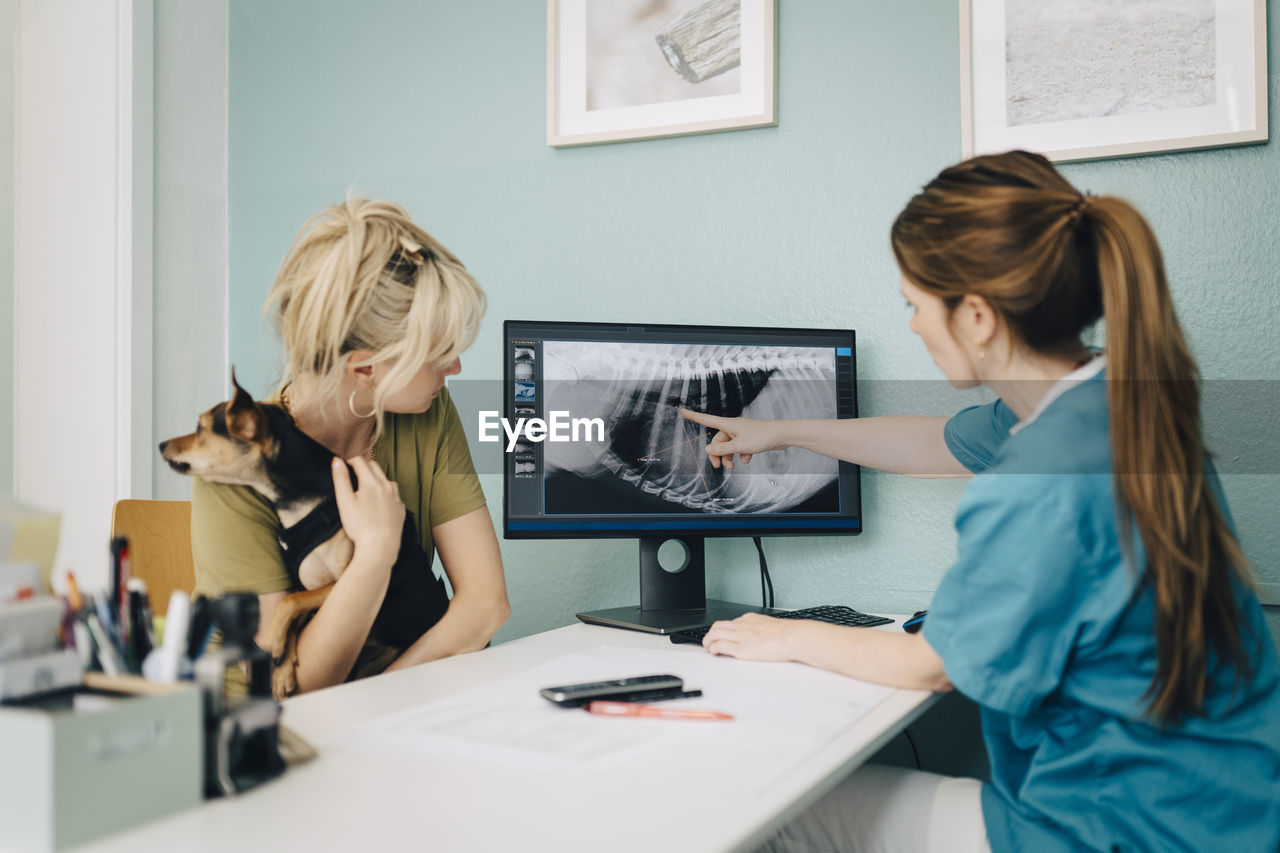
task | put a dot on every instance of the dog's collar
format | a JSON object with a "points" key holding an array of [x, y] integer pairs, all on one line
{"points": [[315, 528]]}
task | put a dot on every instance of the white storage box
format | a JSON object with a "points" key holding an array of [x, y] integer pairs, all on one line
{"points": [[68, 776]]}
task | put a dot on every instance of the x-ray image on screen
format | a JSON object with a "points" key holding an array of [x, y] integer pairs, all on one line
{"points": [[652, 460]]}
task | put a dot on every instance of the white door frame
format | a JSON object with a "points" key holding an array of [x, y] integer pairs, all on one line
{"points": [[83, 181]]}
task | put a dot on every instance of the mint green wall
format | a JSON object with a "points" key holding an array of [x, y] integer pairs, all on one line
{"points": [[441, 106], [190, 235]]}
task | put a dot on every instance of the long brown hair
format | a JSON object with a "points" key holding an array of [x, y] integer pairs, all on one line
{"points": [[1051, 261]]}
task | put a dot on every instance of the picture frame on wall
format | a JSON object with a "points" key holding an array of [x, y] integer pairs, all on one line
{"points": [[641, 69], [1087, 79]]}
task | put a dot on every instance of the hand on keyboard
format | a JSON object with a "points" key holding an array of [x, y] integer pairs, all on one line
{"points": [[832, 613]]}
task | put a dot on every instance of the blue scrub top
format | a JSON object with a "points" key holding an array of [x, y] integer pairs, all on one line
{"points": [[1042, 623]]}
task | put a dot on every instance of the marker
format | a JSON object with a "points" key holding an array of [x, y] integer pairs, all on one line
{"points": [[173, 646], [142, 636], [633, 709], [197, 625]]}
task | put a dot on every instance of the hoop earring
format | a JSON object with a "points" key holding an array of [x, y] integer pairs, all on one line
{"points": [[351, 404]]}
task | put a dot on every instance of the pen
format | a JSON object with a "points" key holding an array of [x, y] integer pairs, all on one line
{"points": [[632, 709], [113, 577], [102, 608], [119, 606], [651, 696], [108, 657], [73, 592]]}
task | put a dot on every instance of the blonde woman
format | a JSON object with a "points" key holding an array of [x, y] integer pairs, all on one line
{"points": [[373, 314], [1100, 609]]}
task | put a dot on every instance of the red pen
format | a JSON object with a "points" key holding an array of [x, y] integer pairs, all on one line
{"points": [[634, 709]]}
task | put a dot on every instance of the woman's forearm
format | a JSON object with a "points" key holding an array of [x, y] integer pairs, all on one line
{"points": [[468, 625], [905, 444], [331, 642], [880, 657], [468, 549]]}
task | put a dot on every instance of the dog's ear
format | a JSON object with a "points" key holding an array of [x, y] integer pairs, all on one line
{"points": [[245, 420], [236, 385]]}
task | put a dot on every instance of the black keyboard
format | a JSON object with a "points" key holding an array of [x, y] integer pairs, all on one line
{"points": [[835, 614]]}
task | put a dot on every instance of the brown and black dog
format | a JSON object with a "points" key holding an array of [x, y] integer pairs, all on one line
{"points": [[248, 443]]}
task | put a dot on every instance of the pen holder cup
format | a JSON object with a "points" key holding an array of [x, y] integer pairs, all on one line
{"points": [[73, 773]]}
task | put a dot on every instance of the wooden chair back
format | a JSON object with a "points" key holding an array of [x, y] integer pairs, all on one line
{"points": [[159, 534]]}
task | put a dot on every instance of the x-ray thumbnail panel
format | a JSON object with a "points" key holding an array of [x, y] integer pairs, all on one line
{"points": [[653, 460]]}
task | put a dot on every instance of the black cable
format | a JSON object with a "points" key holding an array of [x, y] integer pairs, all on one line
{"points": [[914, 751], [764, 575], [764, 598]]}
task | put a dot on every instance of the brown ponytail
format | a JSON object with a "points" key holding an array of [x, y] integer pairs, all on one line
{"points": [[1050, 262], [1158, 456]]}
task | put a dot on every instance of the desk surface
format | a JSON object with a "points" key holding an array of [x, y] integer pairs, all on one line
{"points": [[361, 801]]}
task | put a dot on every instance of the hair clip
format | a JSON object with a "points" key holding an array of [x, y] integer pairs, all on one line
{"points": [[412, 251], [416, 252]]}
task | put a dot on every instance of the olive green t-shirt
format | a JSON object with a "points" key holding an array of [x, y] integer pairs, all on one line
{"points": [[233, 528]]}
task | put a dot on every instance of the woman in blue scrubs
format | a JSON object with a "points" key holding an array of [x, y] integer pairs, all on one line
{"points": [[1099, 610]]}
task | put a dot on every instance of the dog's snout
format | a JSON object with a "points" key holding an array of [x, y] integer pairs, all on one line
{"points": [[180, 467], [163, 445]]}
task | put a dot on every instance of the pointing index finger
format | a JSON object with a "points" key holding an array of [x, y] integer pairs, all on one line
{"points": [[712, 421]]}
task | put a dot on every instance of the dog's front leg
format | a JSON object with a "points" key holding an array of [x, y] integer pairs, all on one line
{"points": [[287, 622]]}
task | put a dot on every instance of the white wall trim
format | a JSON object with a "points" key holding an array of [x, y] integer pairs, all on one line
{"points": [[134, 234], [82, 266]]}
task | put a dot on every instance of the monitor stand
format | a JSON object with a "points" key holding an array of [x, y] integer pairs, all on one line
{"points": [[671, 599]]}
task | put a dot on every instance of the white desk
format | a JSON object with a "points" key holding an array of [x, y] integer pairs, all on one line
{"points": [[370, 802]]}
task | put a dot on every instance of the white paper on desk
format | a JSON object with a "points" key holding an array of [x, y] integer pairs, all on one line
{"points": [[783, 713]]}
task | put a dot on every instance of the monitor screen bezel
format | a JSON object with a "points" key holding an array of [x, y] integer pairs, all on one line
{"points": [[666, 527]]}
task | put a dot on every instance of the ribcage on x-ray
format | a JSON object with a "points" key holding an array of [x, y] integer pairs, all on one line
{"points": [[637, 389]]}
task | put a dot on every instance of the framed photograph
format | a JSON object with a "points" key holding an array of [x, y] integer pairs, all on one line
{"points": [[639, 69], [1084, 79]]}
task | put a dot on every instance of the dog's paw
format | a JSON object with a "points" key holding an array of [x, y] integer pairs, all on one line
{"points": [[278, 633], [290, 617], [284, 668], [284, 680]]}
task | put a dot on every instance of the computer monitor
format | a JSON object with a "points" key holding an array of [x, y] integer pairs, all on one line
{"points": [[597, 448]]}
